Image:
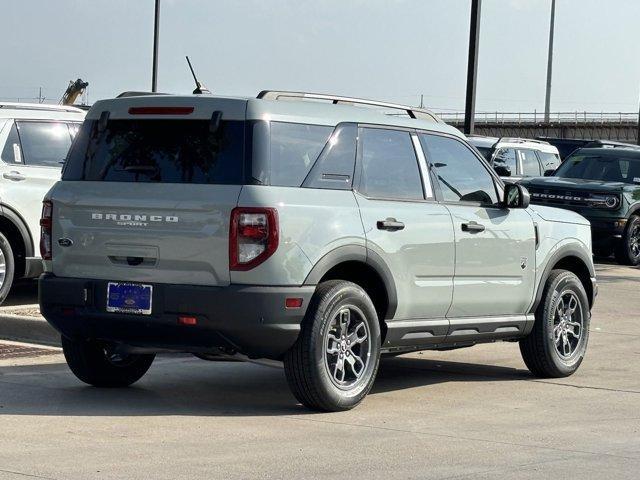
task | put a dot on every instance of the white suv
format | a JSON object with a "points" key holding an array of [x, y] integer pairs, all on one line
{"points": [[515, 158], [34, 140]]}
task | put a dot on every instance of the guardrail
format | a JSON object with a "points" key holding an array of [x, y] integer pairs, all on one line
{"points": [[575, 118]]}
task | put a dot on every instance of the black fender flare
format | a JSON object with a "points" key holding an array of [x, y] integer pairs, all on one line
{"points": [[357, 253], [563, 252], [16, 219]]}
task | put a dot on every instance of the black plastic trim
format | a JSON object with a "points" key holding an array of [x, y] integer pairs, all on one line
{"points": [[15, 218]]}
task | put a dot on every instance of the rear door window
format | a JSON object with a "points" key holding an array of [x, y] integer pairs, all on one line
{"points": [[389, 165], [550, 161], [530, 164], [44, 144], [158, 151]]}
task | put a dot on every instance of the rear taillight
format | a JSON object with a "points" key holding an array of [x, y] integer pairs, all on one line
{"points": [[45, 230], [253, 236]]}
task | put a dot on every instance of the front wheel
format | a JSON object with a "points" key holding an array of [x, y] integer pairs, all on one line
{"points": [[628, 249], [558, 342], [334, 362], [101, 366]]}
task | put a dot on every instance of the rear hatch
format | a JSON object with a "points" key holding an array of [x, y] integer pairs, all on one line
{"points": [[147, 191]]}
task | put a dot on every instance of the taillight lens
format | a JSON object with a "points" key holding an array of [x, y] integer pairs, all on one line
{"points": [[253, 236], [45, 230]]}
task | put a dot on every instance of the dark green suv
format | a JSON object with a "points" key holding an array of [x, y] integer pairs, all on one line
{"points": [[602, 184]]}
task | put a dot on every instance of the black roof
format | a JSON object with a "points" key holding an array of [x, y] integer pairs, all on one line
{"points": [[618, 151]]}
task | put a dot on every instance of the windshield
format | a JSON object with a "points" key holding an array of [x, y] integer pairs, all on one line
{"points": [[595, 167], [486, 152]]}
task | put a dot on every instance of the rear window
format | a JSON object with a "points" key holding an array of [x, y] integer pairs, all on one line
{"points": [[158, 151]]}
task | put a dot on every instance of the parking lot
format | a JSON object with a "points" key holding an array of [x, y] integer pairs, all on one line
{"points": [[472, 413]]}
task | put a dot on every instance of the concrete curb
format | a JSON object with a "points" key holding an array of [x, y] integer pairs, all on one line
{"points": [[28, 329]]}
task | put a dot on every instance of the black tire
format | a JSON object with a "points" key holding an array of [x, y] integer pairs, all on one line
{"points": [[9, 267], [539, 349], [310, 369], [92, 363], [627, 251]]}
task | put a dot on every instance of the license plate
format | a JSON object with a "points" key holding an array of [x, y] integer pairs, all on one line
{"points": [[129, 298]]}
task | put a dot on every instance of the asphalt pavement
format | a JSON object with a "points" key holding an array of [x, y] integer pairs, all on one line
{"points": [[473, 413]]}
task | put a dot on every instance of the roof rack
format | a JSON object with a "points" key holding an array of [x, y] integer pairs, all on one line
{"points": [[133, 93], [39, 106], [522, 140], [413, 112], [611, 144]]}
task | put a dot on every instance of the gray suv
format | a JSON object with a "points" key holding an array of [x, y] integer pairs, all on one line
{"points": [[315, 230]]}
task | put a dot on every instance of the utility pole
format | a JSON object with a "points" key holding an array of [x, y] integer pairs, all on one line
{"points": [[156, 28], [472, 67], [547, 99], [638, 125]]}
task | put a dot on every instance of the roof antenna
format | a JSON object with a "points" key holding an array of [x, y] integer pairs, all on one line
{"points": [[200, 89]]}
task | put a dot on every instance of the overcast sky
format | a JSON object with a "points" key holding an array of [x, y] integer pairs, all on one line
{"points": [[386, 49]]}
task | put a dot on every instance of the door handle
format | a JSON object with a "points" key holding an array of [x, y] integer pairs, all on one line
{"points": [[390, 224], [472, 227], [13, 175]]}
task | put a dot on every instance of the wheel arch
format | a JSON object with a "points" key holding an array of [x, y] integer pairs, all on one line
{"points": [[574, 260], [13, 226], [367, 269]]}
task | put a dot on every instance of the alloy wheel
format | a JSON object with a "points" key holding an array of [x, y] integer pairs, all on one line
{"points": [[567, 324], [3, 268], [347, 347]]}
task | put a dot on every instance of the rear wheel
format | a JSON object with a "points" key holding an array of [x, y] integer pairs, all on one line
{"points": [[557, 344], [7, 267], [101, 366], [334, 362], [628, 249]]}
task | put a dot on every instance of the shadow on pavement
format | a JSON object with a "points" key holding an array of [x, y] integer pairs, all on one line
{"points": [[187, 386]]}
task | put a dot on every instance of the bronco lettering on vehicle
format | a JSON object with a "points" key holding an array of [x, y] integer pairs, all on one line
{"points": [[126, 219]]}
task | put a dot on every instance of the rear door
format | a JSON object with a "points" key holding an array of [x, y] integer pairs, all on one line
{"points": [[32, 158], [405, 227], [150, 199], [495, 247]]}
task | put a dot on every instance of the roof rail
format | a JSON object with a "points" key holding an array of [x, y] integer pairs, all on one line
{"points": [[133, 93], [39, 106], [413, 112], [522, 140], [610, 143]]}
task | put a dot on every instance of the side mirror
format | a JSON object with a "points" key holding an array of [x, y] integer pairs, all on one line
{"points": [[516, 196], [502, 170], [548, 173]]}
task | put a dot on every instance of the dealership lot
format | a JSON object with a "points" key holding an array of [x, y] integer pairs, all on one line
{"points": [[471, 413]]}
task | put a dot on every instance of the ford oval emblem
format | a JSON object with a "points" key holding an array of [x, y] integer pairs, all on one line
{"points": [[65, 242]]}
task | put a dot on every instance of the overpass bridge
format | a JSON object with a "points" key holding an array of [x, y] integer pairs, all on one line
{"points": [[620, 126]]}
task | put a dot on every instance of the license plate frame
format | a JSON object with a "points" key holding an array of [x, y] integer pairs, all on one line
{"points": [[130, 298]]}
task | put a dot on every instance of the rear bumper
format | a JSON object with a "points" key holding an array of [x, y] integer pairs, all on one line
{"points": [[33, 267], [252, 320]]}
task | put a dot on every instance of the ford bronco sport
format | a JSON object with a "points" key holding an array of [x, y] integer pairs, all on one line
{"points": [[310, 229], [601, 182]]}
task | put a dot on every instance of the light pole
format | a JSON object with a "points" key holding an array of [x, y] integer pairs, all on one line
{"points": [[472, 67], [547, 99], [156, 28]]}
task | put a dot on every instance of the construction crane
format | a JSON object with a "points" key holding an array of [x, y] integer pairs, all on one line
{"points": [[73, 91]]}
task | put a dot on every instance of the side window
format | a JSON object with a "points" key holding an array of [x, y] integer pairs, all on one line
{"points": [[550, 161], [334, 168], [389, 165], [530, 164], [461, 175], [12, 153], [293, 151], [505, 162], [44, 143]]}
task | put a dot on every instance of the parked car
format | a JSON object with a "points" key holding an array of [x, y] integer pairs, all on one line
{"points": [[515, 158], [34, 140], [602, 183], [320, 233]]}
